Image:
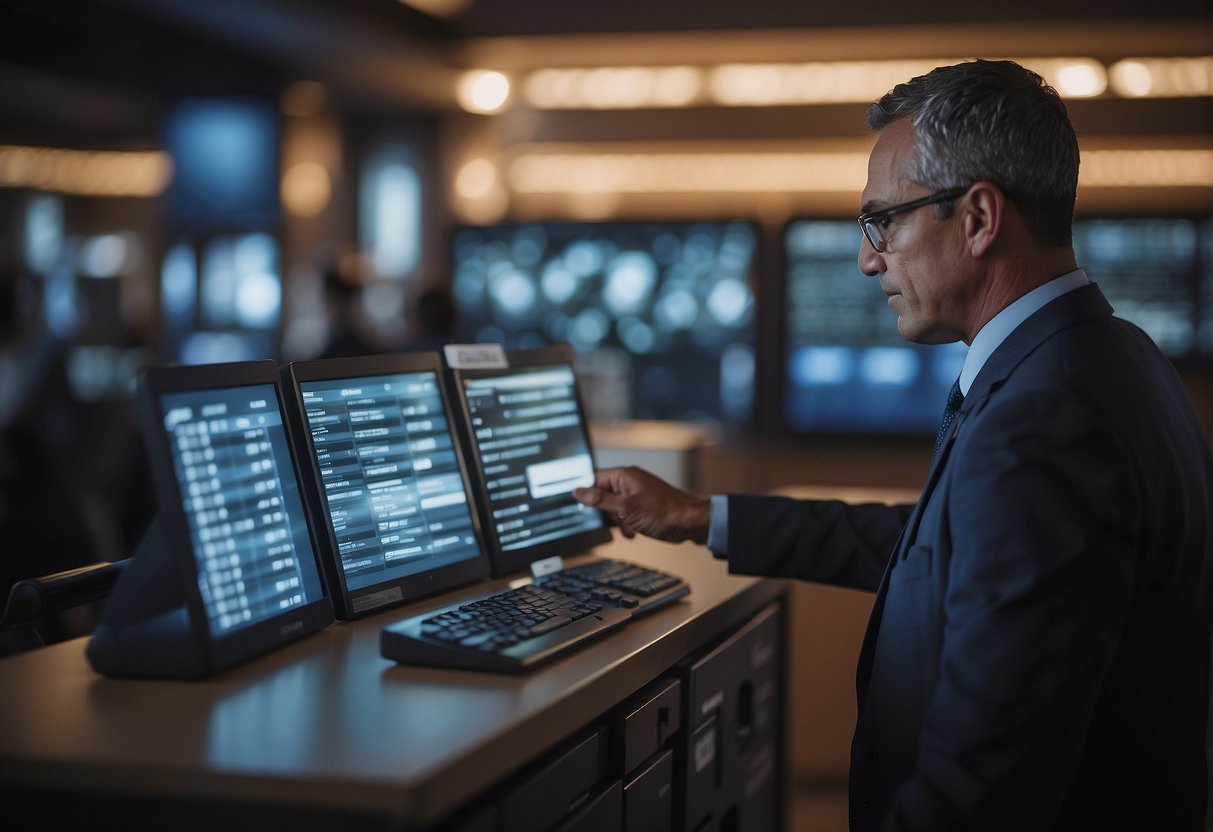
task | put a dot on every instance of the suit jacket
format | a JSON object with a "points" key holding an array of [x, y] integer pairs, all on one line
{"points": [[1038, 652]]}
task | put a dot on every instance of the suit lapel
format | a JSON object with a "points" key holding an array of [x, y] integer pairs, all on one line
{"points": [[908, 535], [1071, 308]]}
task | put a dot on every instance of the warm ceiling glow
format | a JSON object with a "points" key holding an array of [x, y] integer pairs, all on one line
{"points": [[766, 85], [1132, 79], [625, 87], [476, 179], [803, 172], [1074, 77], [1163, 77], [85, 172], [306, 189], [832, 82], [722, 172], [480, 197], [439, 8], [483, 91], [1146, 168]]}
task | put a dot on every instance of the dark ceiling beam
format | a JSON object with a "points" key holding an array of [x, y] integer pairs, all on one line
{"points": [[369, 52]]}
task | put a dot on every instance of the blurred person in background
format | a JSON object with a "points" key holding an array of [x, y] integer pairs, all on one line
{"points": [[41, 527], [349, 331], [432, 320]]}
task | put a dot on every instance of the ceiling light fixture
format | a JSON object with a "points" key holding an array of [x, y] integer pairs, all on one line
{"points": [[804, 172], [674, 172], [1163, 77], [834, 82], [613, 88], [483, 91], [85, 172]]}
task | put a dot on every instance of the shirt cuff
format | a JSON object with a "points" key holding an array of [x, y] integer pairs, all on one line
{"points": [[718, 527]]}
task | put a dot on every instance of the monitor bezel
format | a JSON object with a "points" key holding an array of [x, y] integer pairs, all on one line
{"points": [[220, 652], [520, 361], [411, 587]]}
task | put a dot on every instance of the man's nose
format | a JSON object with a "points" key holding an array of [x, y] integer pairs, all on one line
{"points": [[871, 262]]}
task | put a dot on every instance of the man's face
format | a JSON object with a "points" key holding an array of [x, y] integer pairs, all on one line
{"points": [[921, 270]]}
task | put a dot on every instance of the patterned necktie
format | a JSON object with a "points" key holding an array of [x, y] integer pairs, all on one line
{"points": [[955, 397]]}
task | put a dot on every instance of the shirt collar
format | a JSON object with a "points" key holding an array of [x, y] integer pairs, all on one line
{"points": [[996, 330]]}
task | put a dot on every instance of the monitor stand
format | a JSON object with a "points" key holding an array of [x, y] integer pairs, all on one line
{"points": [[145, 627]]}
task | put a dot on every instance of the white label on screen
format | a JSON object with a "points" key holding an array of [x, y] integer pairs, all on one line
{"points": [[560, 476]]}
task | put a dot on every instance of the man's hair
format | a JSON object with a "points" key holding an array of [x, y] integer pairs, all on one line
{"points": [[993, 121]]}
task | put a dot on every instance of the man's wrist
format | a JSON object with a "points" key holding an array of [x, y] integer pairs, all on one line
{"points": [[718, 525], [699, 521]]}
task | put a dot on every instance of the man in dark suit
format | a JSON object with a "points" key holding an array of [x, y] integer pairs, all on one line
{"points": [[1038, 652]]}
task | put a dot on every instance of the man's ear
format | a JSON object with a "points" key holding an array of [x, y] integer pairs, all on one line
{"points": [[983, 211]]}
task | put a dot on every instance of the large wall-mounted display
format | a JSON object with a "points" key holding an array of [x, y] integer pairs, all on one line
{"points": [[665, 308], [221, 277], [846, 370], [1149, 269], [225, 164]]}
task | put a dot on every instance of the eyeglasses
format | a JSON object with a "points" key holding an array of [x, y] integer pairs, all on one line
{"points": [[874, 223]]}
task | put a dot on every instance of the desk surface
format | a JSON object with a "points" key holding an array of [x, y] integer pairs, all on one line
{"points": [[328, 723], [653, 435], [850, 494]]}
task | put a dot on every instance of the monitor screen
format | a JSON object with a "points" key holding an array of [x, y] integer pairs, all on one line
{"points": [[1148, 268], [531, 447], [846, 367], [391, 485], [248, 532], [228, 568], [661, 314]]}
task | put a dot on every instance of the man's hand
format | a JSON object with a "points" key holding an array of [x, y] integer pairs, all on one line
{"points": [[644, 504]]}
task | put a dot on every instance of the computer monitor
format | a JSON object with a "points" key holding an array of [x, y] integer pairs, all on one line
{"points": [[846, 369], [662, 315], [530, 448], [228, 568], [387, 480]]}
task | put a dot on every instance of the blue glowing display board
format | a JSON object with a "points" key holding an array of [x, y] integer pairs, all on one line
{"points": [[668, 307]]}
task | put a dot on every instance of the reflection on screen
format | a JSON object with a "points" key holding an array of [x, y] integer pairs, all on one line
{"points": [[1146, 268], [531, 442], [392, 483], [847, 369], [666, 307], [241, 502]]}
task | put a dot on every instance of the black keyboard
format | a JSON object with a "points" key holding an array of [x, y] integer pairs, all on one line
{"points": [[618, 583], [515, 630]]}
